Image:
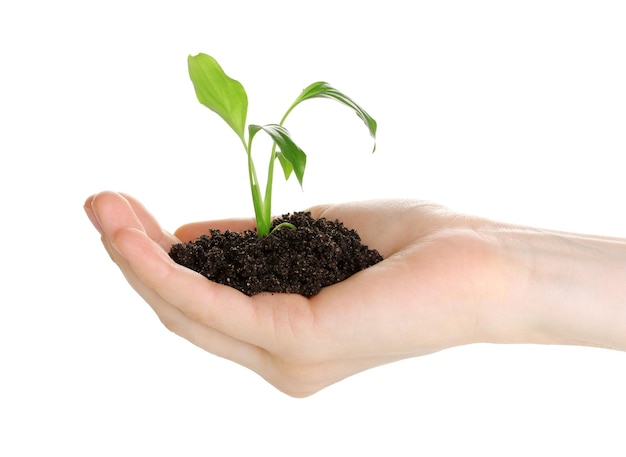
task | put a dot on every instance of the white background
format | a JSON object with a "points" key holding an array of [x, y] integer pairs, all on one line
{"points": [[509, 110]]}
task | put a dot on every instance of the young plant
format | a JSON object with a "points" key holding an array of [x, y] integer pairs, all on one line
{"points": [[227, 97]]}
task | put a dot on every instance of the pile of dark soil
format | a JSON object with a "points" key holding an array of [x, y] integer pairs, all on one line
{"points": [[303, 261]]}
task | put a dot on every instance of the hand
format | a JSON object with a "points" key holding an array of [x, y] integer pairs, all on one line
{"points": [[446, 279], [420, 299]]}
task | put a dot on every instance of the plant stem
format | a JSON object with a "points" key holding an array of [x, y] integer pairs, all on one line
{"points": [[262, 220], [267, 203]]}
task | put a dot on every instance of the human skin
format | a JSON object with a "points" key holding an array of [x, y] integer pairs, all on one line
{"points": [[447, 279]]}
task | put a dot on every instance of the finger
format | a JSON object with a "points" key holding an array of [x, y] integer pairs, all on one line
{"points": [[150, 224], [217, 306], [207, 338], [113, 212], [190, 232], [204, 337]]}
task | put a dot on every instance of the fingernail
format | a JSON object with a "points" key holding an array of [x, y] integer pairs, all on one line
{"points": [[91, 214]]}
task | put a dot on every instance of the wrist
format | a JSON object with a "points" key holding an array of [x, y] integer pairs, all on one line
{"points": [[559, 288]]}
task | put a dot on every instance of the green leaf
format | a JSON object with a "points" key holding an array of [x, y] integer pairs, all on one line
{"points": [[322, 89], [284, 163], [218, 92], [290, 155]]}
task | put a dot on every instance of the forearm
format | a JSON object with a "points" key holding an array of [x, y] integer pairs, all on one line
{"points": [[562, 289]]}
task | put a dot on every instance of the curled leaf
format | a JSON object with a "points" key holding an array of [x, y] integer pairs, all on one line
{"points": [[291, 157], [322, 89]]}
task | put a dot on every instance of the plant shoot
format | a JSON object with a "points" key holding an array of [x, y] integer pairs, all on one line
{"points": [[227, 97]]}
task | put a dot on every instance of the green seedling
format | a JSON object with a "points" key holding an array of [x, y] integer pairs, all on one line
{"points": [[227, 97]]}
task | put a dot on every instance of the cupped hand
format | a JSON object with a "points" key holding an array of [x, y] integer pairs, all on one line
{"points": [[426, 295]]}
